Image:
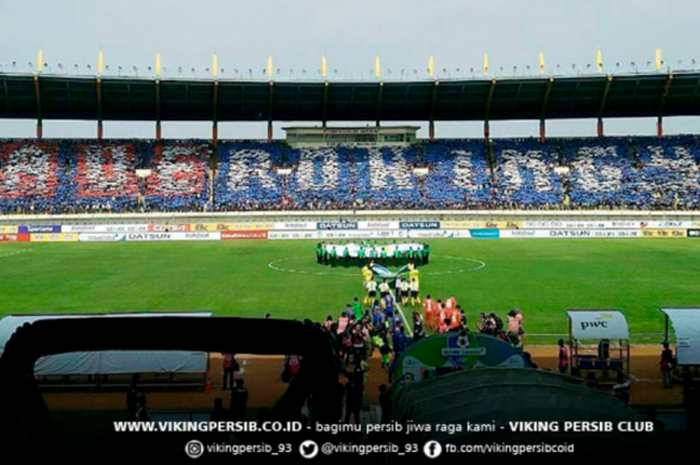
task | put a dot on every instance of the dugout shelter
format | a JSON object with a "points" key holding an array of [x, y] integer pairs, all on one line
{"points": [[599, 344], [686, 325]]}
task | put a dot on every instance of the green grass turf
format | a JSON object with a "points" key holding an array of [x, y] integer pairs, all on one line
{"points": [[542, 277]]}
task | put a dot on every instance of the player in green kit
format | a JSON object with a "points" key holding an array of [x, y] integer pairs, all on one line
{"points": [[361, 255], [419, 256], [334, 256], [397, 255]]}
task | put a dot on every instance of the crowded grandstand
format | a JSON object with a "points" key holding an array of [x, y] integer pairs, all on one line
{"points": [[76, 176]]}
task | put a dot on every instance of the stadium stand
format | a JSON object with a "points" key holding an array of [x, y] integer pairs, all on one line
{"points": [[671, 171], [633, 173], [525, 176], [601, 172], [88, 176], [30, 177], [316, 180], [100, 177], [179, 179], [459, 175], [246, 178], [391, 181]]}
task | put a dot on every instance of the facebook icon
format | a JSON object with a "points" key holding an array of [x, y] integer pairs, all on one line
{"points": [[432, 449]]}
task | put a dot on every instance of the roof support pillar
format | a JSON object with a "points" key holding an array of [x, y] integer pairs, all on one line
{"points": [[487, 111], [270, 109], [159, 132], [601, 108], [662, 105], [380, 97], [39, 119], [325, 105], [543, 131], [433, 104], [100, 128], [215, 120], [543, 111]]}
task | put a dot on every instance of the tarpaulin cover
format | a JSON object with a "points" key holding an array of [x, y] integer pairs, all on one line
{"points": [[109, 362]]}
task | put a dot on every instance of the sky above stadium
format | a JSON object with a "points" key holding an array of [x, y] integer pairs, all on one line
{"points": [[403, 33]]}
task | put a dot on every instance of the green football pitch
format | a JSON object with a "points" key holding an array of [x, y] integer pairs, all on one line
{"points": [[249, 278]]}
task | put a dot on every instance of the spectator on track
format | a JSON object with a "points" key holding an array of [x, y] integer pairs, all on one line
{"points": [[239, 401], [498, 323], [385, 403], [562, 357], [132, 396], [667, 363], [400, 341], [142, 410], [487, 324], [229, 366], [354, 396], [418, 326], [385, 351], [219, 413], [343, 322]]}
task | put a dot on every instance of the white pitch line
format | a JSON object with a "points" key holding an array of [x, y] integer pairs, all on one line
{"points": [[643, 380], [403, 317], [273, 265], [16, 252]]}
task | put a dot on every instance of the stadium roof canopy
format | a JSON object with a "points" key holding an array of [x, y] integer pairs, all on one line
{"points": [[539, 98]]}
